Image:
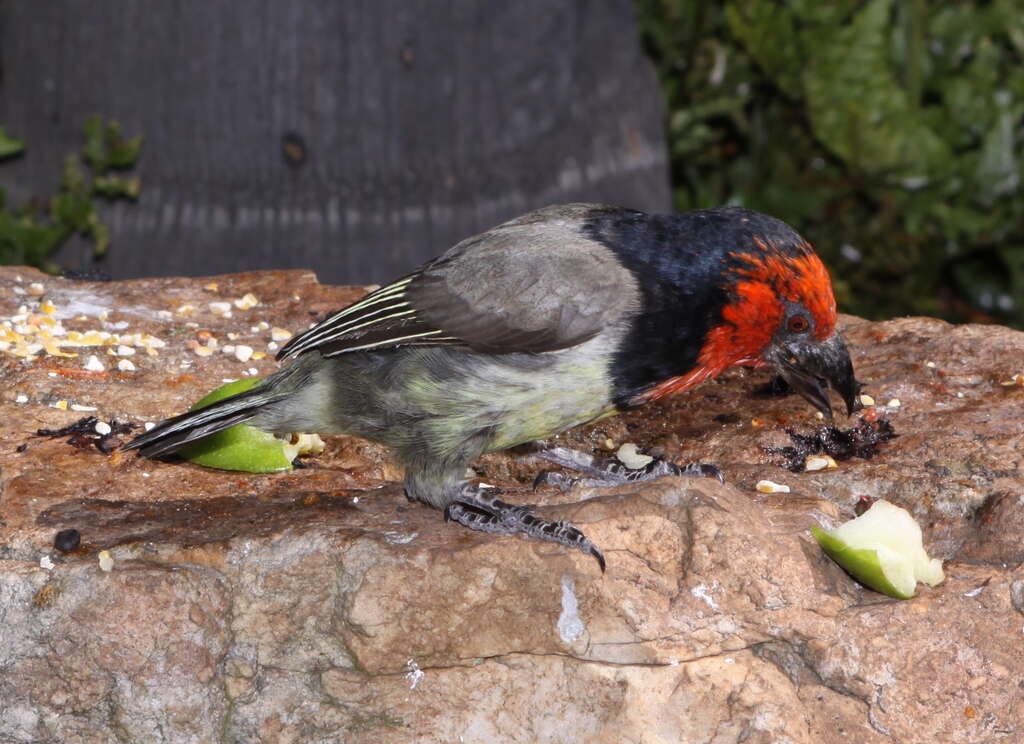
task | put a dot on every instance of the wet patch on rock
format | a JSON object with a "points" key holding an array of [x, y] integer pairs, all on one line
{"points": [[862, 440], [102, 524], [89, 431]]}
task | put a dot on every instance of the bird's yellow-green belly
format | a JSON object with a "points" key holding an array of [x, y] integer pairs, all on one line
{"points": [[538, 405]]}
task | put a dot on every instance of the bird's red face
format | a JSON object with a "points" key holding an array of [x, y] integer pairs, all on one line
{"points": [[781, 313]]}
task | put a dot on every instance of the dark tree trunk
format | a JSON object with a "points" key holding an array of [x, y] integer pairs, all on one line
{"points": [[418, 123]]}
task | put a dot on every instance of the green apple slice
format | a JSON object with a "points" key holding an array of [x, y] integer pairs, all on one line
{"points": [[244, 447], [883, 550]]}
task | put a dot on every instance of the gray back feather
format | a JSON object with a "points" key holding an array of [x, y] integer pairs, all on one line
{"points": [[533, 284]]}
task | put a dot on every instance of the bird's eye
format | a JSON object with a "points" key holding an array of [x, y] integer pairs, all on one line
{"points": [[798, 324]]}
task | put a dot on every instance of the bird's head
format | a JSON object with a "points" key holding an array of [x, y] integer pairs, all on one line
{"points": [[777, 311], [781, 313]]}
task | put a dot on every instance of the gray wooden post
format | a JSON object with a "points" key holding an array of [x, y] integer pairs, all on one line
{"points": [[356, 138]]}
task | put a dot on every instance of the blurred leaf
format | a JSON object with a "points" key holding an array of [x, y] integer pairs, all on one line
{"points": [[998, 169], [113, 187], [9, 146], [71, 208], [123, 153], [72, 179], [888, 133], [100, 234], [768, 31], [105, 149], [94, 149], [860, 112], [30, 234]]}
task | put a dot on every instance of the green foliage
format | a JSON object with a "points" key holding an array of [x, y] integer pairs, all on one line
{"points": [[9, 146], [31, 233], [891, 134]]}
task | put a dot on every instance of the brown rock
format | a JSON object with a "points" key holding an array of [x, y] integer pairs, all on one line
{"points": [[319, 605]]}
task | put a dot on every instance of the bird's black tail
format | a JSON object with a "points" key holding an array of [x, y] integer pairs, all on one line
{"points": [[174, 433]]}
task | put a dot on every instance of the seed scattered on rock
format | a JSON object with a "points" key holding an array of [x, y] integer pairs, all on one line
{"points": [[22, 398], [280, 334], [243, 353], [247, 301], [102, 428], [46, 563], [867, 400], [893, 403], [633, 459], [126, 365], [67, 540], [819, 462], [767, 486], [124, 351], [93, 364], [106, 560]]}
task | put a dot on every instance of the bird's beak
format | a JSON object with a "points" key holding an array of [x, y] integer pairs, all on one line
{"points": [[811, 367]]}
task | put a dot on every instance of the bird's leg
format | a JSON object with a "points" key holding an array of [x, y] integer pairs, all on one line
{"points": [[480, 509], [597, 472]]}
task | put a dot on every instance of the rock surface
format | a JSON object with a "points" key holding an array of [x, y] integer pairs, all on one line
{"points": [[320, 606]]}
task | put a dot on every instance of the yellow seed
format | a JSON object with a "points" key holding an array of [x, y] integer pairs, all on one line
{"points": [[819, 462], [246, 302]]}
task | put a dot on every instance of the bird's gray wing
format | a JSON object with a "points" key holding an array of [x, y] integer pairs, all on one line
{"points": [[534, 284]]}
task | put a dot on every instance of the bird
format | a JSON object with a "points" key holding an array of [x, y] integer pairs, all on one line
{"points": [[557, 318]]}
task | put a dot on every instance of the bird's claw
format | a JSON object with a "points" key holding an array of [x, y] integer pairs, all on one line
{"points": [[561, 481], [481, 510], [613, 472], [699, 470]]}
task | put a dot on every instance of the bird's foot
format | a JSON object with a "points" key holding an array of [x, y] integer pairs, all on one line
{"points": [[597, 473], [479, 509]]}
